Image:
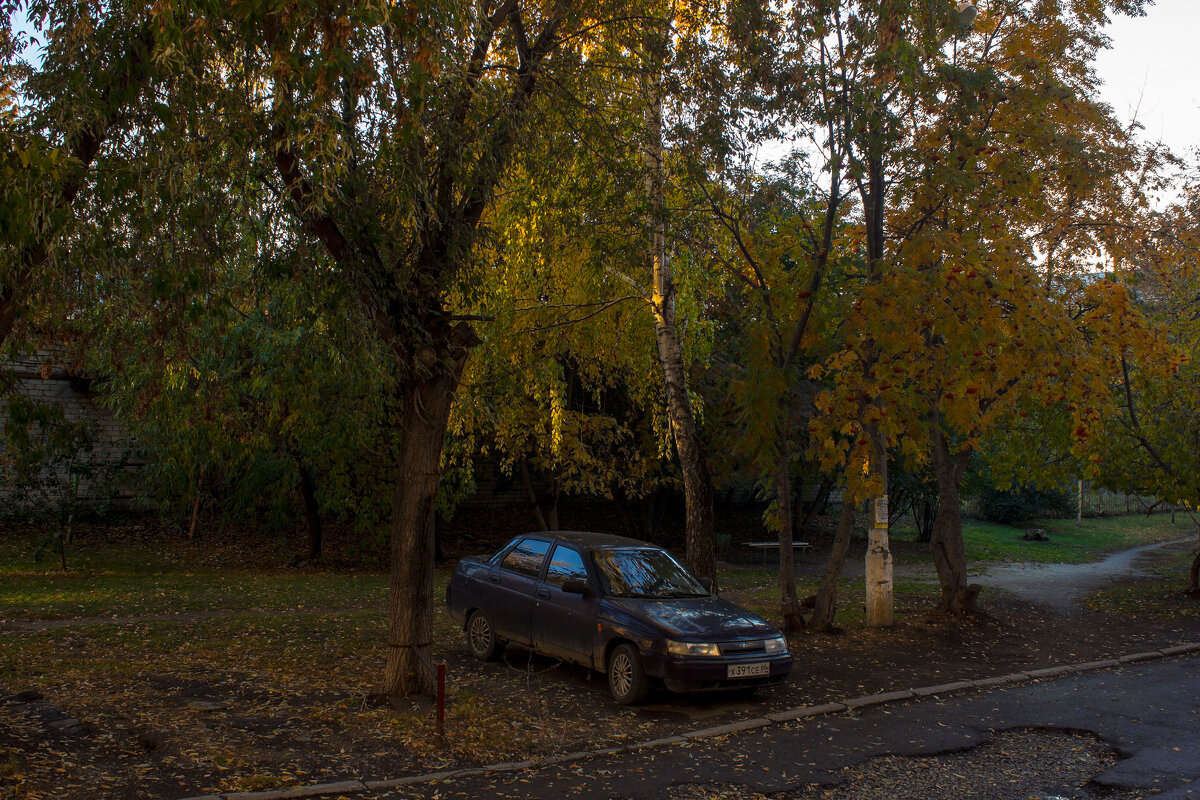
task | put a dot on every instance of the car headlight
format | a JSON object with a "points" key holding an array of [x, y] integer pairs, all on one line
{"points": [[776, 645], [693, 649]]}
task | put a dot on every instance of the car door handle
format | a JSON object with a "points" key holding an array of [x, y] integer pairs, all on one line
{"points": [[543, 593], [494, 578]]}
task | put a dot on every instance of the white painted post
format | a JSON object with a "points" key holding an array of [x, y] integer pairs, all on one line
{"points": [[879, 567]]}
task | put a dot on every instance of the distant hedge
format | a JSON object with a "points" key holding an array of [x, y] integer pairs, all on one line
{"points": [[1024, 503]]}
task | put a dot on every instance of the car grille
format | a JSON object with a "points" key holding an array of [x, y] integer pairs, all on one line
{"points": [[743, 647]]}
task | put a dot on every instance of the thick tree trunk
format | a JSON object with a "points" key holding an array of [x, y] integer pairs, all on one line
{"points": [[946, 544], [424, 416], [701, 552], [312, 511], [826, 605], [793, 621]]}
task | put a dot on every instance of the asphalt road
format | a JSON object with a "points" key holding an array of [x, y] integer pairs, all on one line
{"points": [[1149, 713]]}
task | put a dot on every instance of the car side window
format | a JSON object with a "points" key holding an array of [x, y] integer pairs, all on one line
{"points": [[527, 557], [566, 564]]}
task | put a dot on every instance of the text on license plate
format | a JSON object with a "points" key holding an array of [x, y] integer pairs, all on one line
{"points": [[748, 670]]}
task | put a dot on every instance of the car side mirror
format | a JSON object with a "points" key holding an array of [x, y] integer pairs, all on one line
{"points": [[576, 586], [707, 583]]}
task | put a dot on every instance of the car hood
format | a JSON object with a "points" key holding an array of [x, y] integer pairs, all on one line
{"points": [[699, 618]]}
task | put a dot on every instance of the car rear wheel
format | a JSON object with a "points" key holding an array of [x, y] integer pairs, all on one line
{"points": [[481, 637], [626, 678]]}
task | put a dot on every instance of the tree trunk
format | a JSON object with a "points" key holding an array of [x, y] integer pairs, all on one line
{"points": [[424, 417], [814, 508], [924, 513], [701, 552], [1194, 573], [879, 585], [946, 544], [793, 621], [8, 311], [532, 495], [701, 555], [878, 563], [819, 503], [552, 511], [195, 510], [312, 511], [826, 605]]}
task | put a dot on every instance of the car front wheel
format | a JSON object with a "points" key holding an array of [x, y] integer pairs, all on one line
{"points": [[626, 678], [481, 637]]}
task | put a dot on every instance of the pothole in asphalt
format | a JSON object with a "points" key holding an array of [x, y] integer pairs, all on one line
{"points": [[1014, 765]]}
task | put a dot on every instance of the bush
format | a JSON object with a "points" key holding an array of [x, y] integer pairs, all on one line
{"points": [[1024, 503]]}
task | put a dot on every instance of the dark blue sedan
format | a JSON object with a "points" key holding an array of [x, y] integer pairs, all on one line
{"points": [[613, 604]]}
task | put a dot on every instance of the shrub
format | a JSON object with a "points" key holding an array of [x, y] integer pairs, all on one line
{"points": [[1024, 503]]}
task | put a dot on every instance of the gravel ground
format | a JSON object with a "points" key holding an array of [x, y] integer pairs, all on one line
{"points": [[1017, 765]]}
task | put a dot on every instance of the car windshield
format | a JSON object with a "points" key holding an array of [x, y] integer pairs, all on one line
{"points": [[644, 572]]}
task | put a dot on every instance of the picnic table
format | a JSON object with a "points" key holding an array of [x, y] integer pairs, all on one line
{"points": [[766, 547]]}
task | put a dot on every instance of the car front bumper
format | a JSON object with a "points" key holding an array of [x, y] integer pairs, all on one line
{"points": [[695, 674]]}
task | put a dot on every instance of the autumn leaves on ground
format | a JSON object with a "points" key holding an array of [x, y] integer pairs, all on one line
{"points": [[237, 674]]}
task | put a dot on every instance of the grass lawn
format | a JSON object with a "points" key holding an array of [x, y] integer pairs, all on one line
{"points": [[758, 590], [1069, 542], [133, 579]]}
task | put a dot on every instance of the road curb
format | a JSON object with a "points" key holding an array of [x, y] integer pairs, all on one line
{"points": [[851, 705]]}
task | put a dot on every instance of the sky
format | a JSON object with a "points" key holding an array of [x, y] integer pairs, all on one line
{"points": [[1153, 71]]}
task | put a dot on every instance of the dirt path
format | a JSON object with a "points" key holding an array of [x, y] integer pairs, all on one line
{"points": [[1060, 587]]}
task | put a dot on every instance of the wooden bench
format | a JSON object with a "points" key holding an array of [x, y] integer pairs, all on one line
{"points": [[766, 547]]}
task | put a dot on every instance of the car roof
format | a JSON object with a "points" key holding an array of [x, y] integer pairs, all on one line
{"points": [[593, 540]]}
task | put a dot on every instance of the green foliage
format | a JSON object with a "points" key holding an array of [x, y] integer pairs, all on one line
{"points": [[45, 458], [271, 378], [1023, 503], [1151, 445], [50, 471]]}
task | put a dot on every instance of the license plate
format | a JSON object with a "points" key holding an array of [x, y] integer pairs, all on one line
{"points": [[748, 670]]}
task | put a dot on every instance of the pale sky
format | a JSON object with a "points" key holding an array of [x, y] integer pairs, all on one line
{"points": [[1153, 70]]}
